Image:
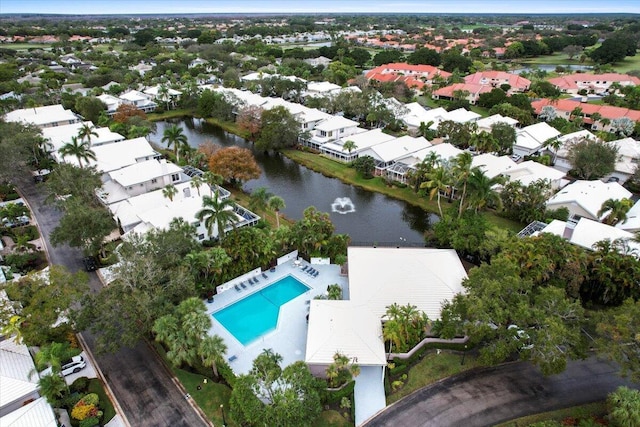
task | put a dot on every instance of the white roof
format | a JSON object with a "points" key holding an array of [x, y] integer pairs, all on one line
{"points": [[573, 138], [257, 75], [462, 116], [312, 115], [633, 219], [629, 155], [487, 122], [335, 122], [556, 227], [61, 135], [143, 172], [322, 87], [425, 278], [133, 96], [111, 101], [153, 91], [41, 116], [293, 108], [588, 232], [15, 366], [534, 136], [445, 151], [118, 155], [345, 327], [396, 148], [590, 195], [36, 414], [528, 172], [493, 165]]}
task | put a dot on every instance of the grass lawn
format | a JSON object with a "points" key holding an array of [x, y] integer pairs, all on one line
{"points": [[95, 386], [630, 63], [433, 367], [244, 199], [597, 409], [332, 419], [26, 46], [171, 114], [348, 175]]}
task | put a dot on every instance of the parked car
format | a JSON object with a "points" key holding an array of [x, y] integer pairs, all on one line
{"points": [[521, 336], [68, 367], [90, 263], [17, 222], [516, 157]]}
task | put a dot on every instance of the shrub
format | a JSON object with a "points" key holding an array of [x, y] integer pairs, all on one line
{"points": [[89, 422], [79, 385], [86, 407]]}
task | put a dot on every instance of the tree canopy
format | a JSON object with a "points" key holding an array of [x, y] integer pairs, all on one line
{"points": [[279, 130], [236, 165], [592, 159]]}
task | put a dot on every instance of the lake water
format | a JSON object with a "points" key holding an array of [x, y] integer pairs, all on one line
{"points": [[369, 218], [551, 67]]}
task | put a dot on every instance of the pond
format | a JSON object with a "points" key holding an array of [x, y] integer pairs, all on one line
{"points": [[551, 67], [368, 217]]}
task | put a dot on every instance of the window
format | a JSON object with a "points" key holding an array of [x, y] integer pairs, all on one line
{"points": [[175, 177], [201, 236], [154, 180]]}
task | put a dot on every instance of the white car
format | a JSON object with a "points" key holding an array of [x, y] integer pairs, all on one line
{"points": [[522, 336], [68, 367]]}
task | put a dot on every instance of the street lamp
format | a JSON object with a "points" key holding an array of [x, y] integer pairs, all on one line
{"points": [[464, 354], [224, 422]]}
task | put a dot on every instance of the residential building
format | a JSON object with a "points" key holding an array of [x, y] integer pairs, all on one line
{"points": [[607, 113], [587, 233], [43, 117], [332, 129], [138, 100], [529, 172], [592, 83], [561, 155], [61, 135], [485, 124], [532, 139], [419, 73], [468, 91], [387, 153], [496, 79], [362, 141], [117, 155], [584, 199], [627, 161]]}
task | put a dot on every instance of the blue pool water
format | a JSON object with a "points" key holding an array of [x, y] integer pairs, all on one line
{"points": [[257, 314]]}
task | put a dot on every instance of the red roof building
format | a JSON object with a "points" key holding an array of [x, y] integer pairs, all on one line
{"points": [[473, 91], [423, 74], [498, 78], [564, 107], [594, 83]]}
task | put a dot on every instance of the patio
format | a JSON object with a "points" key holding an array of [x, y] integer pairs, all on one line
{"points": [[289, 339]]}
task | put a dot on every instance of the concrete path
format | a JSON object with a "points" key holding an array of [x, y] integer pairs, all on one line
{"points": [[490, 396], [140, 383]]}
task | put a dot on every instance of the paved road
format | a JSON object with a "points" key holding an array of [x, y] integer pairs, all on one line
{"points": [[489, 396], [139, 381]]}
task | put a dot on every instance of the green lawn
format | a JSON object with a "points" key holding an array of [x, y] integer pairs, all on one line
{"points": [[171, 114], [433, 367], [95, 386], [26, 46], [332, 419], [348, 175], [630, 63], [597, 409]]}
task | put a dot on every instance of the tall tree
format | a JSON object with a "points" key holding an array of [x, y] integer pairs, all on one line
{"points": [[236, 165], [592, 159], [619, 339], [483, 192], [86, 131], [279, 129], [271, 395], [623, 407], [83, 226], [212, 350], [461, 171], [259, 199], [216, 211], [276, 204], [174, 137], [439, 181], [81, 150], [616, 210]]}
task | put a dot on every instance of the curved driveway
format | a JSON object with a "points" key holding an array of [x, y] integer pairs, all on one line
{"points": [[140, 382], [484, 397]]}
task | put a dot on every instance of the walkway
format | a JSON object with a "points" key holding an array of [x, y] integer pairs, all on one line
{"points": [[493, 395], [140, 382], [368, 395]]}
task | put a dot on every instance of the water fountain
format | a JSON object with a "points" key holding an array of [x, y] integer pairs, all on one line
{"points": [[343, 206]]}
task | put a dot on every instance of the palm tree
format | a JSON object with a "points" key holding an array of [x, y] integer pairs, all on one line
{"points": [[439, 182], [53, 388], [212, 179], [484, 142], [174, 137], [14, 327], [461, 172], [81, 150], [259, 199], [482, 190], [53, 355], [349, 146], [197, 182], [617, 208], [553, 144], [169, 192], [86, 132], [216, 211], [212, 350], [276, 204]]}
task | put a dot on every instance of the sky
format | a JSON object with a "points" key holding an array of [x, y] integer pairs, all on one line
{"points": [[316, 6]]}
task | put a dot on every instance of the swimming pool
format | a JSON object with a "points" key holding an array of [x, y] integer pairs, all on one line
{"points": [[257, 314]]}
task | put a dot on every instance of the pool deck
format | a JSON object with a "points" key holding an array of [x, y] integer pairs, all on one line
{"points": [[289, 339]]}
